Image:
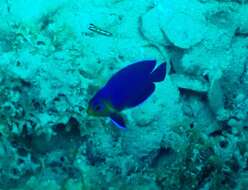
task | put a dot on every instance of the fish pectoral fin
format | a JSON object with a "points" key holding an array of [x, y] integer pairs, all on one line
{"points": [[118, 120]]}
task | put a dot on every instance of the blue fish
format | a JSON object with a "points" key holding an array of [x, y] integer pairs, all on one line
{"points": [[127, 88]]}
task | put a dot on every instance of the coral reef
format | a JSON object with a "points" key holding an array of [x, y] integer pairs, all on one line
{"points": [[191, 134]]}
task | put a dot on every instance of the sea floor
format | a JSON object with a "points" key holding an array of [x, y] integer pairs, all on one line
{"points": [[192, 133]]}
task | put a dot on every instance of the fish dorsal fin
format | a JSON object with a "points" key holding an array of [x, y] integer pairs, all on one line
{"points": [[118, 120], [159, 73], [142, 67]]}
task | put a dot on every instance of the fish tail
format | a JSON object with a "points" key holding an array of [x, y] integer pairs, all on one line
{"points": [[159, 73]]}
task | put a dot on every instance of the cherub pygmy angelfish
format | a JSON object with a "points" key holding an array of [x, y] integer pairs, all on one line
{"points": [[127, 88]]}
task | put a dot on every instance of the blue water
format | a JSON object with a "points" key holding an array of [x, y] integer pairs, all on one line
{"points": [[191, 133]]}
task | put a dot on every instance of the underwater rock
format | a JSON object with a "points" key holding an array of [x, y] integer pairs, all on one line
{"points": [[199, 115], [216, 96], [19, 9], [178, 23], [184, 31], [190, 83], [238, 115], [221, 17], [243, 20], [194, 61], [142, 119], [221, 27], [46, 184], [145, 144], [170, 22], [73, 185], [16, 164], [232, 77], [150, 27], [152, 125]]}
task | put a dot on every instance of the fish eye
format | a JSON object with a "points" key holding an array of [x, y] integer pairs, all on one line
{"points": [[98, 107]]}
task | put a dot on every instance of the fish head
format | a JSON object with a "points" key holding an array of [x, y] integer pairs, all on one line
{"points": [[98, 107]]}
